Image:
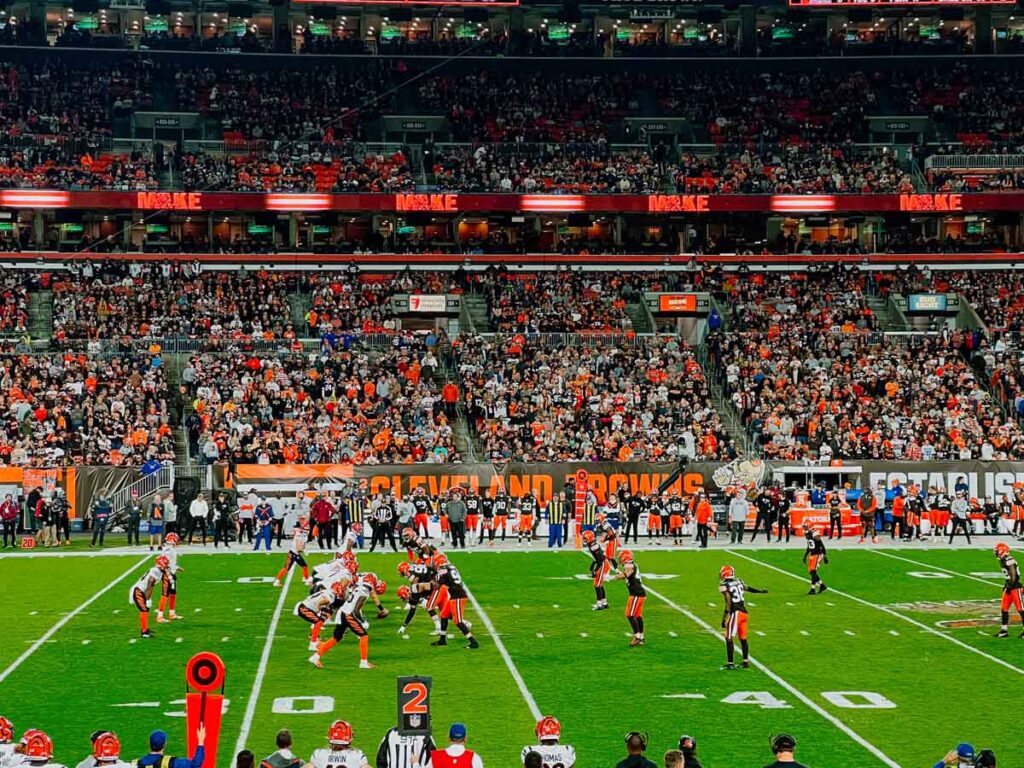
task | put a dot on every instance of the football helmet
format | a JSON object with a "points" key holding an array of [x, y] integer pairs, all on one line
{"points": [[408, 534], [106, 747], [6, 730], [338, 588], [548, 728], [1002, 549], [440, 560], [36, 745], [588, 537], [625, 556], [403, 568], [352, 566], [163, 562], [404, 593], [727, 572], [173, 539], [357, 529], [380, 586], [340, 732]]}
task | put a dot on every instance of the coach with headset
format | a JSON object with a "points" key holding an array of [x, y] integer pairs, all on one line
{"points": [[783, 746], [636, 745]]}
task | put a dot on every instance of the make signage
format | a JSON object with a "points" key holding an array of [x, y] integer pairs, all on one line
{"points": [[678, 203], [171, 201], [428, 303], [677, 303], [204, 674], [936, 202], [425, 202], [414, 706]]}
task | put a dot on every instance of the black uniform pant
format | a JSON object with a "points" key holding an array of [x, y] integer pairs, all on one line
{"points": [[632, 524], [458, 533], [487, 525], [736, 534], [133, 529], [958, 523], [380, 530], [323, 535], [835, 524], [221, 532], [245, 530], [196, 525]]}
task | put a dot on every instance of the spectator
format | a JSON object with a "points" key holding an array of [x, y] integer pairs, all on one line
{"points": [[9, 520], [245, 759], [453, 754], [783, 747], [636, 745], [157, 759], [101, 511], [673, 759], [283, 757]]}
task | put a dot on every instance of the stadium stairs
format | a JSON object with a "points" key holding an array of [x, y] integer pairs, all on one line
{"points": [[640, 317], [299, 303], [40, 315], [480, 320]]}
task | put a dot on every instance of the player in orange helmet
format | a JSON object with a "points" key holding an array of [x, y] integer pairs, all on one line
{"points": [[169, 582], [350, 619], [552, 754], [1013, 592], [36, 750], [141, 592], [340, 752], [317, 608], [600, 567], [637, 596], [608, 536], [296, 552], [449, 578], [734, 619], [815, 556], [106, 751], [7, 744]]}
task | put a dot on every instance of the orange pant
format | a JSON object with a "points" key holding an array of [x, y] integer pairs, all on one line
{"points": [[812, 563], [454, 609], [1014, 599], [525, 523], [437, 599], [736, 626], [602, 573], [635, 607]]}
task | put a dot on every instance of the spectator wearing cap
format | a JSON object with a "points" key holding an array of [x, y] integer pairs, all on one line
{"points": [[283, 757], [455, 755], [961, 757], [157, 759]]}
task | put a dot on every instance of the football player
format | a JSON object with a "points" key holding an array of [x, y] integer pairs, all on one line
{"points": [[637, 596], [350, 619], [424, 509], [814, 557], [317, 608], [553, 754], [106, 751], [410, 596], [8, 756], [734, 619], [340, 753], [350, 542], [1013, 593], [334, 569], [296, 552], [600, 567], [142, 590], [169, 583], [36, 749], [449, 578], [609, 537]]}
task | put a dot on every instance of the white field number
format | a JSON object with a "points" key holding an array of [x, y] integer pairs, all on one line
{"points": [[841, 699], [928, 575]]}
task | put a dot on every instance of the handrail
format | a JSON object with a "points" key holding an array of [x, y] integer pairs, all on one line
{"points": [[970, 162]]}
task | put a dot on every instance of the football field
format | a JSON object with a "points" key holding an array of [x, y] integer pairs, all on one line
{"points": [[892, 667]]}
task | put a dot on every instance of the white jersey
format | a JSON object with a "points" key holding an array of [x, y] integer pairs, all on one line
{"points": [[153, 576], [338, 758], [553, 755], [350, 542], [357, 595], [91, 762], [299, 539], [331, 572], [318, 602], [171, 553], [8, 757]]}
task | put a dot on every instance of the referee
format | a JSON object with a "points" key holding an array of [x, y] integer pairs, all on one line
{"points": [[556, 521], [398, 751], [381, 517]]}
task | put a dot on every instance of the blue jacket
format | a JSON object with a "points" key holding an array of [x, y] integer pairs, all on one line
{"points": [[156, 760]]}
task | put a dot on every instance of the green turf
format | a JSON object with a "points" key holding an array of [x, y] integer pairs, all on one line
{"points": [[575, 663]]}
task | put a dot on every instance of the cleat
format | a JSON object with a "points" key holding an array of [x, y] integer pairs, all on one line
{"points": [[635, 642], [277, 582], [401, 630], [600, 607], [313, 645], [812, 591], [161, 620], [315, 661], [1021, 635], [729, 665], [472, 644], [822, 588], [176, 617], [442, 641], [307, 582], [147, 634], [1002, 633], [437, 631], [367, 665], [745, 665]]}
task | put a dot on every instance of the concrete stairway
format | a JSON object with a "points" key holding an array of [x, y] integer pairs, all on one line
{"points": [[40, 315]]}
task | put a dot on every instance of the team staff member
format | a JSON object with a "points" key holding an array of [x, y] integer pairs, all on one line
{"points": [[556, 521], [835, 516], [737, 516], [198, 512], [246, 518], [455, 755], [263, 517], [635, 507], [764, 510], [456, 511], [100, 516], [322, 511], [223, 511], [899, 516], [783, 747], [157, 759], [961, 516], [781, 503], [866, 506], [487, 521], [702, 511], [9, 520], [134, 511], [636, 745]]}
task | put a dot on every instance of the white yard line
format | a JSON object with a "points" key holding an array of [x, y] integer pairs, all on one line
{"points": [[512, 669], [66, 618], [875, 751], [261, 671], [892, 612], [937, 568]]}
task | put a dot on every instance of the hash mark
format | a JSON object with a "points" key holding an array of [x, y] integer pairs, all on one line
{"points": [[224, 639], [831, 604], [791, 605], [584, 635], [540, 635], [805, 633], [117, 610], [672, 634], [514, 605], [198, 610], [86, 642], [178, 639], [894, 633], [238, 610], [712, 605], [133, 641], [34, 613], [554, 606], [848, 632], [759, 633]]}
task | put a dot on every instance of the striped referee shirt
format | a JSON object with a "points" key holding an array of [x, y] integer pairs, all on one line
{"points": [[398, 751]]}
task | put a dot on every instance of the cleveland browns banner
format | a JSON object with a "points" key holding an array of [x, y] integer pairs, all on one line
{"points": [[543, 480]]}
